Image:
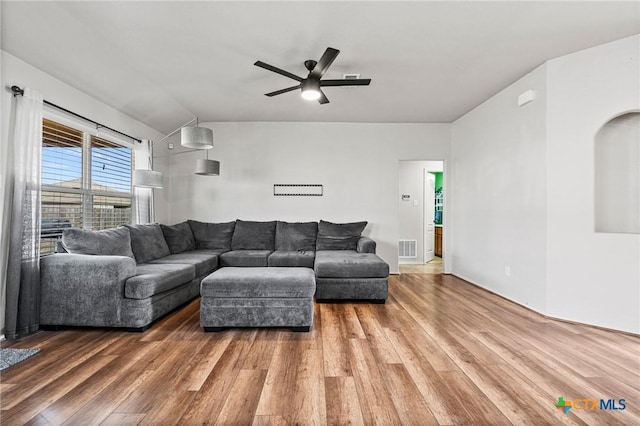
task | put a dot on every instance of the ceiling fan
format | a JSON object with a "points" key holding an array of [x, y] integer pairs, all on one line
{"points": [[311, 86]]}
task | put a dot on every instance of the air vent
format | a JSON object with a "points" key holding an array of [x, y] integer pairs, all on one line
{"points": [[407, 249], [350, 76]]}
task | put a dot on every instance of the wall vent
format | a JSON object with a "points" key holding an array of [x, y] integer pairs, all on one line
{"points": [[407, 249], [350, 76]]}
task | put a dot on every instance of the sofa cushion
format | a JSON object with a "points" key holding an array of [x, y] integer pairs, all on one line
{"points": [[212, 236], [205, 261], [366, 245], [283, 258], [245, 258], [349, 264], [296, 236], [152, 279], [113, 242], [254, 235], [147, 242], [179, 237], [339, 236], [242, 283]]}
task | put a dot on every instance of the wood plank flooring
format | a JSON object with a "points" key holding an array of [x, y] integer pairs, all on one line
{"points": [[432, 267], [439, 352]]}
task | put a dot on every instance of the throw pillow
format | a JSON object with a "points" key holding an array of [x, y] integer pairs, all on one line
{"points": [[296, 236], [212, 236], [179, 237], [254, 235], [111, 242], [147, 242], [339, 236]]}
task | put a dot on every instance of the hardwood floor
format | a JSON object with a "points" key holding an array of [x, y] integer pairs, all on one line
{"points": [[432, 267], [440, 351]]}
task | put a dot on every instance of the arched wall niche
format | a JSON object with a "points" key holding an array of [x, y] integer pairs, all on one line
{"points": [[617, 175]]}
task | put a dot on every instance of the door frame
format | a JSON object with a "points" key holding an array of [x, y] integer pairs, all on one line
{"points": [[425, 224], [447, 207]]}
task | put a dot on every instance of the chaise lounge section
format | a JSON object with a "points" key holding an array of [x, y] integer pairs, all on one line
{"points": [[108, 281]]}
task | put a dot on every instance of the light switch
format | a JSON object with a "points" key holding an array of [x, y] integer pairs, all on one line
{"points": [[415, 203]]}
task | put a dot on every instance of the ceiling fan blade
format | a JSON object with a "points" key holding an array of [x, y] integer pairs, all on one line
{"points": [[277, 70], [324, 63], [323, 98], [280, 92], [346, 82]]}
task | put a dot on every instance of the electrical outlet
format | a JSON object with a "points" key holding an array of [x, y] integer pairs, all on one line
{"points": [[170, 146], [507, 270]]}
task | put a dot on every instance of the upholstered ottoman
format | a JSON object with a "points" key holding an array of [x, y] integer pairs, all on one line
{"points": [[257, 297]]}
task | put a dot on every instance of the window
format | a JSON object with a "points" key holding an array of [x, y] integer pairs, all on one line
{"points": [[86, 182]]}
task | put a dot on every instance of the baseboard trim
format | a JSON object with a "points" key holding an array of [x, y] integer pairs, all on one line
{"points": [[542, 314]]}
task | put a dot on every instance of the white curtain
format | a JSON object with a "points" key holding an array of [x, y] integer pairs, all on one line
{"points": [[23, 264], [144, 196]]}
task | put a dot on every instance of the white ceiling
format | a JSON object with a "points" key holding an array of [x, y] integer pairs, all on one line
{"points": [[165, 62]]}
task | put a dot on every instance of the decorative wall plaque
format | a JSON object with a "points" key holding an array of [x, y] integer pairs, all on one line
{"points": [[301, 189]]}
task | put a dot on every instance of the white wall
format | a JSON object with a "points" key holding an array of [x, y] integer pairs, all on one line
{"points": [[410, 214], [357, 164], [498, 188], [17, 72], [523, 191], [593, 277]]}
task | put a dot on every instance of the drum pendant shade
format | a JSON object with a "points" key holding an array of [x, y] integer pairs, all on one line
{"points": [[196, 137]]}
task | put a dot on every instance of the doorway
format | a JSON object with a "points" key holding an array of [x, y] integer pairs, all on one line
{"points": [[421, 211]]}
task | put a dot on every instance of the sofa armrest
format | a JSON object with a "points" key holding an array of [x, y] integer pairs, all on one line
{"points": [[366, 245], [84, 290]]}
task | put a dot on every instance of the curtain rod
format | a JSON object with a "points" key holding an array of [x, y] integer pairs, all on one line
{"points": [[17, 91]]}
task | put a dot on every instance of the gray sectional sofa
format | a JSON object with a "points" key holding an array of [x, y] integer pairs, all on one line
{"points": [[131, 275]]}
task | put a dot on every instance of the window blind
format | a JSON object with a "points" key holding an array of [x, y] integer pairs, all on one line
{"points": [[61, 155], [86, 183]]}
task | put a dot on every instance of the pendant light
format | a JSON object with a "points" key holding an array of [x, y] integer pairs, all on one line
{"points": [[206, 167], [192, 137], [147, 178], [196, 137]]}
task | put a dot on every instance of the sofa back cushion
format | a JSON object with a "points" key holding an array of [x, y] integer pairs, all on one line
{"points": [[179, 237], [147, 242], [212, 236], [296, 236], [339, 236], [110, 242], [254, 235]]}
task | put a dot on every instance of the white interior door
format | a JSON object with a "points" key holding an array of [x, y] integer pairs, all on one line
{"points": [[429, 215]]}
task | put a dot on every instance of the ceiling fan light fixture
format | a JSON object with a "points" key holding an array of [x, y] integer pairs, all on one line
{"points": [[310, 89], [310, 86]]}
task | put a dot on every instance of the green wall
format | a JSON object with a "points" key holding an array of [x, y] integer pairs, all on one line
{"points": [[438, 179]]}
